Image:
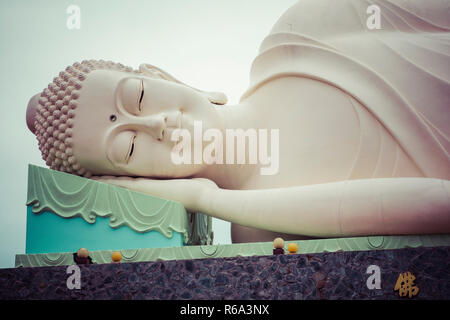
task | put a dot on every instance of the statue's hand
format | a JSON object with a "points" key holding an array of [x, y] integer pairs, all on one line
{"points": [[186, 191]]}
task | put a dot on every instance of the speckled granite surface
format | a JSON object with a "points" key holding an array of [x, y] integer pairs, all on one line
{"points": [[337, 275]]}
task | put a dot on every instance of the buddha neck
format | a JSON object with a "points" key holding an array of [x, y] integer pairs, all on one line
{"points": [[232, 176], [236, 116]]}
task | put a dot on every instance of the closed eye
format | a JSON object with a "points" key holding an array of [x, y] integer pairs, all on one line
{"points": [[142, 94], [131, 149]]}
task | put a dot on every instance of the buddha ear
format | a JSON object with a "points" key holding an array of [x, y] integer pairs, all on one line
{"points": [[150, 70]]}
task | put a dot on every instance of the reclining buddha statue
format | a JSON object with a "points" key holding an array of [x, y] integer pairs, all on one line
{"points": [[363, 120]]}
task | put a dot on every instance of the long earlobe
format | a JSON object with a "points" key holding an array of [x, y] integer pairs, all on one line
{"points": [[150, 70]]}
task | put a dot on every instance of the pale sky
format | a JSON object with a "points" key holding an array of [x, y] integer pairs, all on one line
{"points": [[208, 44]]}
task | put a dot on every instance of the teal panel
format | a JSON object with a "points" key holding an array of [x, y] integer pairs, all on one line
{"points": [[50, 233]]}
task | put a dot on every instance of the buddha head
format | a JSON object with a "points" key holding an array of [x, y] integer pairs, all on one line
{"points": [[104, 118]]}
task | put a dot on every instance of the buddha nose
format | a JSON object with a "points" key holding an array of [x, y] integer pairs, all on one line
{"points": [[155, 125], [31, 112]]}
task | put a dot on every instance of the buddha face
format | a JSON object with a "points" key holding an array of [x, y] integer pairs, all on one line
{"points": [[124, 123]]}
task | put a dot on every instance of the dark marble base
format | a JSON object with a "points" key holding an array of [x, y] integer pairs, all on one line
{"points": [[337, 275]]}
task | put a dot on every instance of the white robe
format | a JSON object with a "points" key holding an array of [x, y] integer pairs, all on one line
{"points": [[400, 72]]}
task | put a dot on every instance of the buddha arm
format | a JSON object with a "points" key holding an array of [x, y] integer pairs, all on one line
{"points": [[346, 208]]}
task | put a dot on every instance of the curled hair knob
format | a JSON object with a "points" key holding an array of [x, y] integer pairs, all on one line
{"points": [[31, 112]]}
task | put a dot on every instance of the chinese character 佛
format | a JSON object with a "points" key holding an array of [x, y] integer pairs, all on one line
{"points": [[405, 285]]}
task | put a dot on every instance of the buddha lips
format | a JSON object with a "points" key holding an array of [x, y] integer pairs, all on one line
{"points": [[213, 152]]}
